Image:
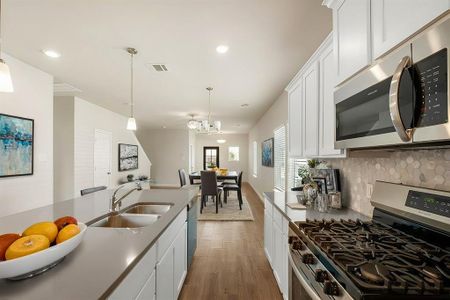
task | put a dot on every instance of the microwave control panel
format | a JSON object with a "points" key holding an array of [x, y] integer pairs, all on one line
{"points": [[431, 74], [435, 204]]}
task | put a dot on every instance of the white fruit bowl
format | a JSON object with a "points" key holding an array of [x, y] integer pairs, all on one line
{"points": [[39, 262]]}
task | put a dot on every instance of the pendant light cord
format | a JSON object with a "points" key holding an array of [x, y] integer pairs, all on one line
{"points": [[132, 85], [209, 111]]}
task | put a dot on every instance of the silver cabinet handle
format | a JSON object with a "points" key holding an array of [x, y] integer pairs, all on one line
{"points": [[394, 105]]}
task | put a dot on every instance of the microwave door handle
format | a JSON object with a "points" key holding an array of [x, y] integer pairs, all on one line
{"points": [[394, 103]]}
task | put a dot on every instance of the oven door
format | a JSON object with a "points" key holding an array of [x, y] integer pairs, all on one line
{"points": [[364, 116], [300, 287]]}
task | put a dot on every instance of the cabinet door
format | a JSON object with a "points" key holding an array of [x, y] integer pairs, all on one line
{"points": [[394, 21], [148, 292], [351, 27], [268, 237], [311, 111], [276, 253], [165, 276], [295, 113], [327, 115], [180, 259]]}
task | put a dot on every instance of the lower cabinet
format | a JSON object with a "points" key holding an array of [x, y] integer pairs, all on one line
{"points": [[276, 246], [161, 271], [148, 292]]}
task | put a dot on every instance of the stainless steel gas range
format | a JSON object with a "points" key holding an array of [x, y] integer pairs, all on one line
{"points": [[402, 253]]}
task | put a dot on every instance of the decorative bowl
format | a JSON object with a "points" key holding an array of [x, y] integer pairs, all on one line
{"points": [[39, 262]]}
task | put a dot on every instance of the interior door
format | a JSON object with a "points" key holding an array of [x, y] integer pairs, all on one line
{"points": [[102, 157], [210, 156]]}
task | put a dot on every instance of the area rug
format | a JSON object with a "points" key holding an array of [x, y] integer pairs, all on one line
{"points": [[229, 212]]}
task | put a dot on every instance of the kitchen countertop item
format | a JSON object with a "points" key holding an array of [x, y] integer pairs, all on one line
{"points": [[279, 200], [105, 256]]}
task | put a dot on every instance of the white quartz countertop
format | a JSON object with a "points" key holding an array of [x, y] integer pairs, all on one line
{"points": [[104, 257], [279, 200]]}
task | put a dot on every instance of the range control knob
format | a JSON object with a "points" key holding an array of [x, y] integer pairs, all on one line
{"points": [[321, 275], [297, 245], [308, 259], [331, 288]]}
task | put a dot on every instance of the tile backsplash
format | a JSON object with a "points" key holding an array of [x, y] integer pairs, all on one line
{"points": [[424, 168]]}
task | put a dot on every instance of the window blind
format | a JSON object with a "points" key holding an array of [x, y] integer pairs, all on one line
{"points": [[255, 159], [280, 158]]}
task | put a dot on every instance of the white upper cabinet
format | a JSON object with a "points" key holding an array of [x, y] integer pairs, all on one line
{"points": [[395, 20], [327, 116], [311, 111], [295, 111], [351, 27]]}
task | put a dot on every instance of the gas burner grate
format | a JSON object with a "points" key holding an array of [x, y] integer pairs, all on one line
{"points": [[380, 259]]}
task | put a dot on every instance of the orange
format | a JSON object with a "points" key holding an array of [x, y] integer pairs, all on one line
{"points": [[48, 229], [67, 232], [27, 245], [5, 241]]}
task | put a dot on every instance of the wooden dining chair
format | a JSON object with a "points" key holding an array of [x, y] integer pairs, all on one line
{"points": [[209, 188], [234, 187], [182, 177]]}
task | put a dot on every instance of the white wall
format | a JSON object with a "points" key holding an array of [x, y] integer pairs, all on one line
{"points": [[87, 118], [32, 98], [168, 150], [240, 140], [276, 116], [63, 147]]}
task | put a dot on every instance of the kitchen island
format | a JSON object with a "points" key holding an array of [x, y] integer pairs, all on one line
{"points": [[105, 256]]}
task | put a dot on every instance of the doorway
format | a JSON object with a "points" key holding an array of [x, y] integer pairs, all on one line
{"points": [[210, 156], [102, 157]]}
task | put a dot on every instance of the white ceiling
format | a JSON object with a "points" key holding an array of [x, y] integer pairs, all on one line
{"points": [[269, 41]]}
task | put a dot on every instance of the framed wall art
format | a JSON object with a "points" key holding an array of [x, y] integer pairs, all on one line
{"points": [[267, 153], [16, 146], [128, 157]]}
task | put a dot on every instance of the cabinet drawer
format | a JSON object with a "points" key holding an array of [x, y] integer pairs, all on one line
{"points": [[277, 218], [166, 239], [130, 287]]}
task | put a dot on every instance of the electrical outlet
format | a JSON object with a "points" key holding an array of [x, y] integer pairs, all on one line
{"points": [[369, 190]]}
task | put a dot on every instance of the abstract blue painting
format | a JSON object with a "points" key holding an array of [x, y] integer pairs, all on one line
{"points": [[16, 146], [267, 153]]}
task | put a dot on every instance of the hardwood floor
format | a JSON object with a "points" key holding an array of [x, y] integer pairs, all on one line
{"points": [[229, 262]]}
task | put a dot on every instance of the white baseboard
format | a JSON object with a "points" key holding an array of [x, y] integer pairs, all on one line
{"points": [[260, 196]]}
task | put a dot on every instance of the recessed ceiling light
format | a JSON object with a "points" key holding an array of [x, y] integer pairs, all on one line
{"points": [[222, 49], [51, 53], [221, 141], [164, 127], [244, 105]]}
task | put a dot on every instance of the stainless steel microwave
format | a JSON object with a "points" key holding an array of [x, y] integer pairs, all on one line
{"points": [[402, 99]]}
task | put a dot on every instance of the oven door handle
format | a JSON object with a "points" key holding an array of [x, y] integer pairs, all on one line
{"points": [[394, 103], [311, 292]]}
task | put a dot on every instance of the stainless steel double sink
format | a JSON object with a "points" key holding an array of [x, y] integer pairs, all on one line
{"points": [[140, 214]]}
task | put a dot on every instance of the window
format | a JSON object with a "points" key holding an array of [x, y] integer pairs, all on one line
{"points": [[233, 153], [255, 159], [280, 158], [210, 157], [293, 179]]}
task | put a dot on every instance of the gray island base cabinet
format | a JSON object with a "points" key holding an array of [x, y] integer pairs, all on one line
{"points": [[161, 271]]}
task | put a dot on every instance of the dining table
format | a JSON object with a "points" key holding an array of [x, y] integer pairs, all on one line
{"points": [[229, 175]]}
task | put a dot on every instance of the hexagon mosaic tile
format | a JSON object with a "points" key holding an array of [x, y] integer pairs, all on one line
{"points": [[423, 168]]}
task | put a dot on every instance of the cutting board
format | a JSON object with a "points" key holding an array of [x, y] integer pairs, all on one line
{"points": [[295, 205]]}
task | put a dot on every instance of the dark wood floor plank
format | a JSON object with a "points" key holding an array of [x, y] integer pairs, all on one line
{"points": [[230, 263]]}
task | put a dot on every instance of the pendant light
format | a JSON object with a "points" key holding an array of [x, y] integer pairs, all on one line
{"points": [[131, 124], [6, 85]]}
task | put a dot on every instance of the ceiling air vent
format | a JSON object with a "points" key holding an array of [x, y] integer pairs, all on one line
{"points": [[160, 67]]}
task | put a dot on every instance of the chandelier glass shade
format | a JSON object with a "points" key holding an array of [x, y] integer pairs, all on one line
{"points": [[206, 126]]}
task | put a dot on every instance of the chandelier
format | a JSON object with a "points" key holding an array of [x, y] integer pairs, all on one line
{"points": [[205, 126]]}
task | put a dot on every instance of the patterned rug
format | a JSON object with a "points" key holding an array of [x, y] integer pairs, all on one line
{"points": [[229, 212]]}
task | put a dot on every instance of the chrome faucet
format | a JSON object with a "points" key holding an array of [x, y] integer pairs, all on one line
{"points": [[116, 202]]}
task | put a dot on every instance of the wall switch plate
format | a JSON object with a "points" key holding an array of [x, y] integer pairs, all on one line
{"points": [[369, 190]]}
